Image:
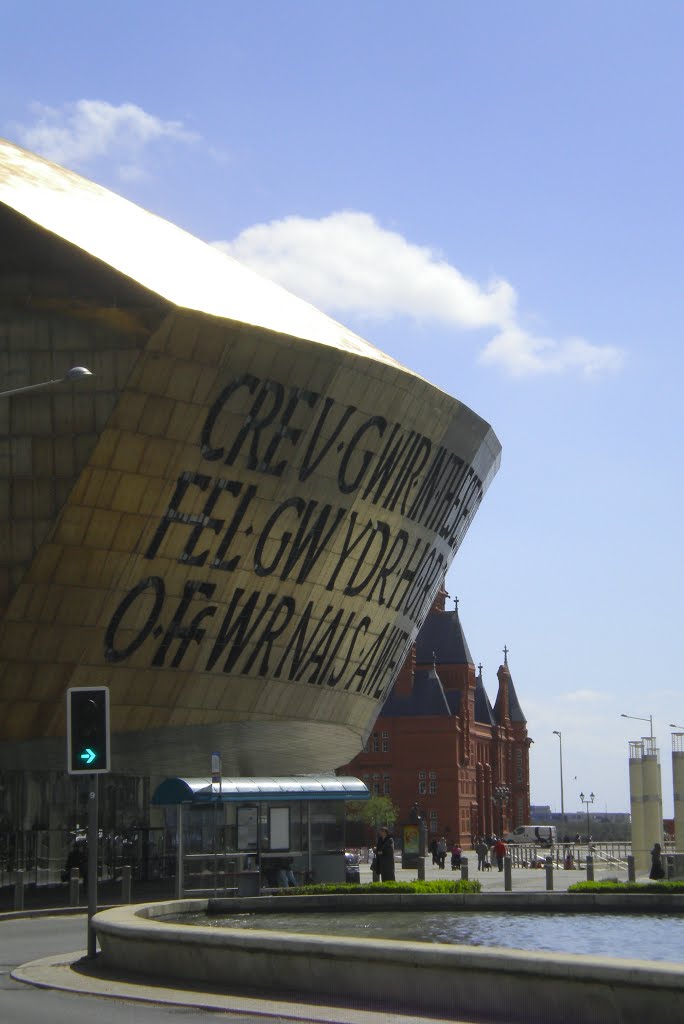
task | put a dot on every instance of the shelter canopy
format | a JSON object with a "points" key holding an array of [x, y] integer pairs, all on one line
{"points": [[240, 790]]}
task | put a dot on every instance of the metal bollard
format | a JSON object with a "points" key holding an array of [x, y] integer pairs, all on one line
{"points": [[464, 868], [631, 869], [590, 868], [421, 869], [74, 882], [126, 884], [508, 874], [549, 874], [19, 889]]}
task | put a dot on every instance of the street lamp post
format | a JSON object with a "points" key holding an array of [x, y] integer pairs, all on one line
{"points": [[556, 732], [501, 795], [589, 800], [75, 373], [639, 718]]}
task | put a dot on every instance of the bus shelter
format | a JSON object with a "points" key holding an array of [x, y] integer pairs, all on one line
{"points": [[247, 834]]}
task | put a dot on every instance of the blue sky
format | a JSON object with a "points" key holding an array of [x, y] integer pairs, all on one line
{"points": [[491, 193]]}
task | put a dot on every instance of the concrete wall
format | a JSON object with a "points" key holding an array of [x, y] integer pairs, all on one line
{"points": [[678, 787], [497, 984]]}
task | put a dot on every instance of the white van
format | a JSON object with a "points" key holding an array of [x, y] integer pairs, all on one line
{"points": [[533, 835]]}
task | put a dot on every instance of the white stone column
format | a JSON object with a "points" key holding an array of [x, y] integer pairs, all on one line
{"points": [[678, 788], [652, 796], [636, 800]]}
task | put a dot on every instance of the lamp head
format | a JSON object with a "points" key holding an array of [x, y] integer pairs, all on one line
{"points": [[77, 372]]}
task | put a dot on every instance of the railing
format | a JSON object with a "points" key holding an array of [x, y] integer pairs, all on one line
{"points": [[209, 872], [611, 853]]}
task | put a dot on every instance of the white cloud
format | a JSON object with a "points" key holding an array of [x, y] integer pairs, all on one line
{"points": [[81, 132], [524, 354], [347, 263]]}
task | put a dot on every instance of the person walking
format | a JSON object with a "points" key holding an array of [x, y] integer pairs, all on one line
{"points": [[481, 849], [384, 854], [441, 852], [500, 852], [657, 869]]}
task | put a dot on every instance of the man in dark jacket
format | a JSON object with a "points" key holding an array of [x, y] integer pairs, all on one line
{"points": [[384, 852]]}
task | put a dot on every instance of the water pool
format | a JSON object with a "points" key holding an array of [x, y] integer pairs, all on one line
{"points": [[644, 936]]}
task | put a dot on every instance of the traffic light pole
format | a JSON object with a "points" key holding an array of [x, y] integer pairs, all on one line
{"points": [[93, 846], [88, 751]]}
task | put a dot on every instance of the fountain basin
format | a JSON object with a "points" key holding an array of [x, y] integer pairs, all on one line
{"points": [[493, 983]]}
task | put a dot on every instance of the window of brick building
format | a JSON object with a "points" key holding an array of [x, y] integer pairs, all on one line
{"points": [[386, 788], [376, 745], [519, 765], [385, 742]]}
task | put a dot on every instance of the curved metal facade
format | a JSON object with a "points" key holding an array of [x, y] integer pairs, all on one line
{"points": [[238, 526]]}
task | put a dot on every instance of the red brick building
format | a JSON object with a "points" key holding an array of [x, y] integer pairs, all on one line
{"points": [[439, 743]]}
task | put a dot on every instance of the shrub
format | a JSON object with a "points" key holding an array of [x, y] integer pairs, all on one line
{"points": [[440, 885], [627, 887]]}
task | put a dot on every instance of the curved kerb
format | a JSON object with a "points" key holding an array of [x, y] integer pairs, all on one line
{"points": [[489, 983]]}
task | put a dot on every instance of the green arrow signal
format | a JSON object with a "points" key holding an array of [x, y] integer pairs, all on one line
{"points": [[88, 755]]}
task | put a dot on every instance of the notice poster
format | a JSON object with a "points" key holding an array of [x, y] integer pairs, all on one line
{"points": [[279, 830], [411, 839]]}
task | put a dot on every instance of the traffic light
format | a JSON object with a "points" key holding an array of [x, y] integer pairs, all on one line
{"points": [[87, 730]]}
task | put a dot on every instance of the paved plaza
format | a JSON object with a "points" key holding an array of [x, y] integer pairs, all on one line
{"points": [[522, 879]]}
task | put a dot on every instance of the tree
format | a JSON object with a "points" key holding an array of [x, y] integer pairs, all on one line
{"points": [[379, 810]]}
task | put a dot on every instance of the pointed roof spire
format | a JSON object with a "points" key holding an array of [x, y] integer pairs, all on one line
{"points": [[516, 712], [441, 639], [427, 697], [483, 709], [507, 704]]}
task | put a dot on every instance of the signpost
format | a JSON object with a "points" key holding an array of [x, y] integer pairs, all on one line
{"points": [[88, 753], [216, 780]]}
